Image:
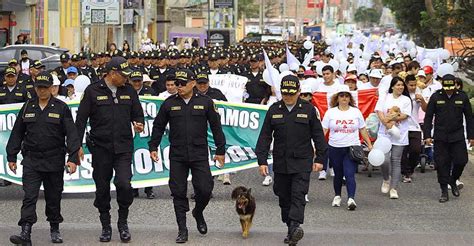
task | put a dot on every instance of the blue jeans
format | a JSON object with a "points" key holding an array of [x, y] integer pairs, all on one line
{"points": [[343, 167]]}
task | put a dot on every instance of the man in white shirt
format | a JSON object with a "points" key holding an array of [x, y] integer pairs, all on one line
{"points": [[396, 68], [375, 76], [431, 84], [171, 88], [25, 62], [329, 85]]}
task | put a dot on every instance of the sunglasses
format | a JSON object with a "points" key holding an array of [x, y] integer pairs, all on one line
{"points": [[180, 83], [305, 94]]}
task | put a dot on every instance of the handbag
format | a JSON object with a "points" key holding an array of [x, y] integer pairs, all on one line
{"points": [[356, 153]]}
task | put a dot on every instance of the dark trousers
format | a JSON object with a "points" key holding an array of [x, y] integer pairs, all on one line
{"points": [[291, 189], [450, 159], [53, 184], [411, 154], [343, 166], [104, 163], [202, 182]]}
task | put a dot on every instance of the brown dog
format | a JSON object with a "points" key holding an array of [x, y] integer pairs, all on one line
{"points": [[245, 207]]}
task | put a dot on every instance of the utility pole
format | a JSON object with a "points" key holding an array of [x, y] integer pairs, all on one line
{"points": [[236, 17], [261, 17]]}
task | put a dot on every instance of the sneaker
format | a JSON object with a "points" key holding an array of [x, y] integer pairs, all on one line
{"points": [[385, 186], [449, 187], [226, 180], [393, 194], [459, 184], [306, 198], [336, 202], [267, 181], [322, 175], [406, 179], [351, 204], [220, 177], [331, 172]]}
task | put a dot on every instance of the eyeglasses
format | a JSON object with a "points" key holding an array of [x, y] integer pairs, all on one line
{"points": [[180, 83], [305, 94]]}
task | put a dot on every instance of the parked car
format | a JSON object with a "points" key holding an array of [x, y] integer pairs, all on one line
{"points": [[48, 55]]}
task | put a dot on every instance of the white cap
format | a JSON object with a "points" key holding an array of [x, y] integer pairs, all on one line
{"points": [[146, 78], [375, 73], [55, 80], [351, 68], [421, 73], [343, 88], [306, 88]]}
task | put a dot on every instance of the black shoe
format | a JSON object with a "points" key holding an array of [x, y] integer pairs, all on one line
{"points": [[136, 193], [124, 232], [297, 234], [25, 236], [444, 197], [182, 236], [150, 195], [201, 223], [56, 236], [455, 190], [106, 235]]}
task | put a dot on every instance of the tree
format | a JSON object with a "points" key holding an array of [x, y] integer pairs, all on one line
{"points": [[436, 19], [247, 9], [367, 16], [270, 8]]}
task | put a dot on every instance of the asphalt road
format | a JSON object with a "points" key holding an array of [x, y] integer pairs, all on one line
{"points": [[417, 218]]}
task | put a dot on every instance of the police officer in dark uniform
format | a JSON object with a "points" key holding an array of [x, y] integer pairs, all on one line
{"points": [[112, 105], [258, 91], [202, 87], [188, 114], [61, 70], [11, 92], [136, 80], [36, 67], [160, 73], [293, 124], [448, 106], [39, 132]]}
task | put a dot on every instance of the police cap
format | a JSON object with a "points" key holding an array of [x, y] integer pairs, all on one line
{"points": [[44, 79]]}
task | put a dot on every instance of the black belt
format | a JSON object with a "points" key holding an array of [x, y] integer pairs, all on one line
{"points": [[44, 154]]}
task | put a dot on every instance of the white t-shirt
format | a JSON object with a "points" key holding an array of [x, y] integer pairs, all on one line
{"points": [[404, 103], [165, 94], [343, 126], [331, 88], [413, 125], [381, 89], [430, 89], [313, 83]]}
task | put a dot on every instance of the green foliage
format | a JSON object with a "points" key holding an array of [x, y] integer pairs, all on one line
{"points": [[367, 16], [412, 18], [249, 8]]}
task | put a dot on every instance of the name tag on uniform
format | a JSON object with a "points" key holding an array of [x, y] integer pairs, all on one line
{"points": [[125, 97], [458, 102], [277, 116], [198, 107], [29, 86], [175, 108], [147, 95], [53, 115], [3, 94], [302, 116], [19, 94], [29, 115], [101, 98], [440, 102]]}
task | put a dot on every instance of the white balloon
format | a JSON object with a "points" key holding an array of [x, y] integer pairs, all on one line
{"points": [[339, 56], [266, 77], [319, 67], [410, 45], [413, 52], [283, 67], [308, 45], [338, 41], [426, 62], [343, 66], [81, 83], [366, 56], [329, 41], [455, 66], [444, 54], [384, 144], [334, 64], [444, 69], [376, 157], [333, 35], [394, 132], [294, 66]]}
